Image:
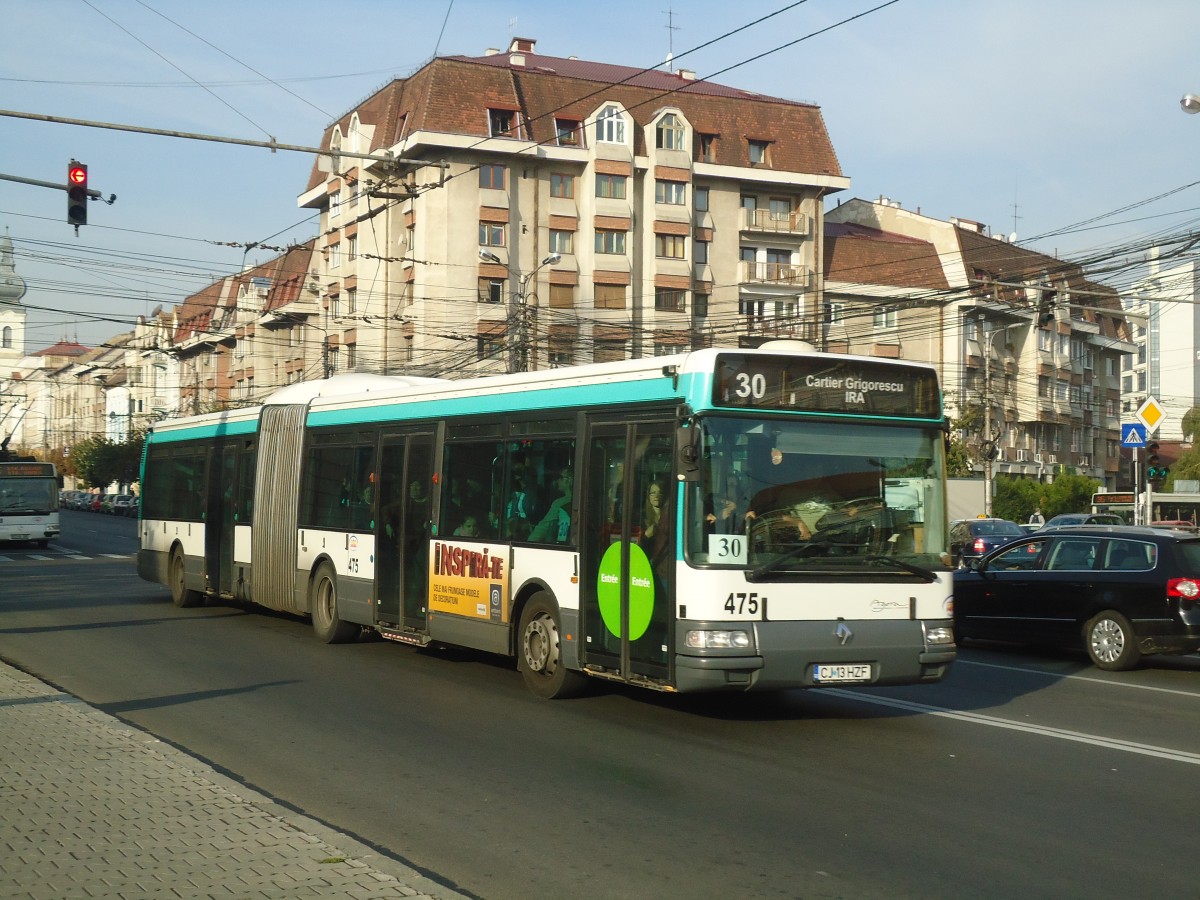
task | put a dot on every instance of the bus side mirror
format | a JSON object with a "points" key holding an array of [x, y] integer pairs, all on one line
{"points": [[687, 443]]}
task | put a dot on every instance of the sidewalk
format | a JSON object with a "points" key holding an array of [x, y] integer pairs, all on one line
{"points": [[91, 807]]}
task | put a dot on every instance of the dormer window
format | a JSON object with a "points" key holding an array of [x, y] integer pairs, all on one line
{"points": [[669, 133], [760, 152], [567, 131], [502, 123], [610, 126]]}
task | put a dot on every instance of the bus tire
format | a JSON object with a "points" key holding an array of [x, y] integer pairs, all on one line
{"points": [[539, 652], [181, 595], [1110, 641], [323, 603]]}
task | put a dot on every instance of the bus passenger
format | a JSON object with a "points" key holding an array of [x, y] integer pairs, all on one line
{"points": [[555, 525]]}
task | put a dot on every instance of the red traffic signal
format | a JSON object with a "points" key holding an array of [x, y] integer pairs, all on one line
{"points": [[77, 193]]}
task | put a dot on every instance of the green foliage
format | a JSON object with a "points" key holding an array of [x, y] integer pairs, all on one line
{"points": [[1191, 423], [958, 454], [1016, 498], [98, 462]]}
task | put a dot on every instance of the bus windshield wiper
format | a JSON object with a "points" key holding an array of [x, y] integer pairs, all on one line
{"points": [[926, 574], [772, 565]]}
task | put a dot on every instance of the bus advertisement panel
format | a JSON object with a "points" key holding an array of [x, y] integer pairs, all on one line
{"points": [[718, 520]]}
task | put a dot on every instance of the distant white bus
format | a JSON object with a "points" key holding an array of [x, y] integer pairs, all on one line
{"points": [[28, 502], [729, 520]]}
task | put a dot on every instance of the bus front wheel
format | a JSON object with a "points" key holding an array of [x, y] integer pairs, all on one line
{"points": [[539, 656], [181, 594], [325, 620]]}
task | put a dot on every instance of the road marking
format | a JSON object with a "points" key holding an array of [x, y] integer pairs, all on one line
{"points": [[39, 556], [116, 555], [1106, 682], [1045, 730]]}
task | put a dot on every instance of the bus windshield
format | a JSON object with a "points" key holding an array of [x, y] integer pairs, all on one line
{"points": [[28, 495], [804, 496]]}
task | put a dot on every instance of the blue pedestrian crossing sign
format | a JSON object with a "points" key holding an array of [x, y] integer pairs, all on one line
{"points": [[1133, 434]]}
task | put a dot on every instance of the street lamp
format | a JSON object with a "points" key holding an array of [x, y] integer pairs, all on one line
{"points": [[518, 359], [1190, 104]]}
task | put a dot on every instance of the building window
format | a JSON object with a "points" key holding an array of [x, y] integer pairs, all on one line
{"points": [[610, 296], [502, 123], [760, 153], [489, 346], [610, 241], [491, 290], [562, 185], [335, 255], [560, 355], [670, 299], [351, 301], [492, 177], [671, 192], [700, 198], [670, 246], [611, 186], [567, 131], [608, 351], [335, 204], [561, 241], [835, 313], [700, 251], [780, 210], [562, 296], [610, 126], [1045, 340], [884, 318], [491, 234], [708, 146], [351, 356], [669, 133], [699, 306], [352, 247]]}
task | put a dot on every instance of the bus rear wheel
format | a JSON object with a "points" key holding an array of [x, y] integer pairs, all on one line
{"points": [[181, 595], [539, 656], [323, 602]]}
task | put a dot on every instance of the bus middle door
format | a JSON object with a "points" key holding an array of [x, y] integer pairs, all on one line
{"points": [[403, 530], [628, 547]]}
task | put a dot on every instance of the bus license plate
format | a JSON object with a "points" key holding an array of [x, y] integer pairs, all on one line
{"points": [[843, 673]]}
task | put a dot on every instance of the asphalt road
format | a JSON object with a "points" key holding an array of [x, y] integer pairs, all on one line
{"points": [[1023, 774]]}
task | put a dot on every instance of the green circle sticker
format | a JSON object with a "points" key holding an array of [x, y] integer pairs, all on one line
{"points": [[641, 590]]}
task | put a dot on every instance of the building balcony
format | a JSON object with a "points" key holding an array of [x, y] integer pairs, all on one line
{"points": [[764, 220], [799, 278]]}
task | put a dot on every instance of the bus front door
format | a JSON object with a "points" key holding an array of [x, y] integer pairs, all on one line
{"points": [[403, 530], [628, 549]]}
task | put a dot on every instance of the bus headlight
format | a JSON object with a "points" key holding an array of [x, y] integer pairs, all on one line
{"points": [[939, 635], [713, 640]]}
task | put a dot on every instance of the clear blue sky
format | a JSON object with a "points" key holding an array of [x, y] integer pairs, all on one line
{"points": [[1027, 116]]}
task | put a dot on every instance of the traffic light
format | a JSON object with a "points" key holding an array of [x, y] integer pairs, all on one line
{"points": [[1156, 472], [77, 193]]}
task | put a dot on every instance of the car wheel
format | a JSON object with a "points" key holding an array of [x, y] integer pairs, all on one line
{"points": [[539, 654], [323, 602], [1110, 641]]}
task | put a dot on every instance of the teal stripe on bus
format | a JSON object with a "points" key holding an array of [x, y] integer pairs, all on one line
{"points": [[542, 400], [206, 430]]}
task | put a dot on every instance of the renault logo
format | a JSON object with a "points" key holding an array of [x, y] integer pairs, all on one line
{"points": [[843, 633]]}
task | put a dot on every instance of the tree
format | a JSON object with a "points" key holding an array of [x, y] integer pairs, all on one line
{"points": [[1191, 424], [99, 462]]}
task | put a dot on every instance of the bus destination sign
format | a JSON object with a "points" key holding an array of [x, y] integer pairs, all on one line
{"points": [[26, 469], [822, 384]]}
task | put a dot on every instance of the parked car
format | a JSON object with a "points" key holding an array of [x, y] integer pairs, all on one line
{"points": [[1124, 592], [972, 538], [1084, 519], [1029, 527], [96, 502], [120, 504]]}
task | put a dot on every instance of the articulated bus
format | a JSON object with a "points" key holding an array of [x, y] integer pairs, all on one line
{"points": [[28, 502], [719, 520]]}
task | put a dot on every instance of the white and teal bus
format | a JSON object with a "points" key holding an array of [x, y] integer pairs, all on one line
{"points": [[721, 520]]}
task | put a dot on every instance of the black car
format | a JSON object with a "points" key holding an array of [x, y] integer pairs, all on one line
{"points": [[1123, 592], [972, 538]]}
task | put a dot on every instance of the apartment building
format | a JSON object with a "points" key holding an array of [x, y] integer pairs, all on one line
{"points": [[1019, 337], [537, 211]]}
